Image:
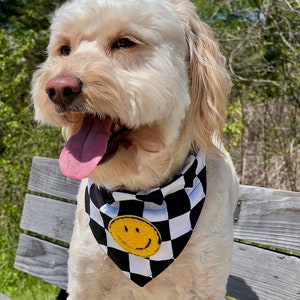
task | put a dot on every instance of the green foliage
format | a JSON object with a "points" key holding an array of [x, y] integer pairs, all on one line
{"points": [[260, 40], [23, 38], [234, 127]]}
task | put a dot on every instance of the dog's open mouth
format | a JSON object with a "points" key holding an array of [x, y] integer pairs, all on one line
{"points": [[97, 141]]}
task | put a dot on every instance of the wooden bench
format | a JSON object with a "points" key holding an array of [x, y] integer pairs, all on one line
{"points": [[264, 217], [3, 297]]}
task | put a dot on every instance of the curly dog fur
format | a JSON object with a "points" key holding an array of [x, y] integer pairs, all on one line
{"points": [[152, 71]]}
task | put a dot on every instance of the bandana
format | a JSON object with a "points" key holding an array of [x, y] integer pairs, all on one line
{"points": [[144, 232]]}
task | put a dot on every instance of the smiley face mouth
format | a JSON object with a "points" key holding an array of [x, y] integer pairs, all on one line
{"points": [[138, 248], [148, 244]]}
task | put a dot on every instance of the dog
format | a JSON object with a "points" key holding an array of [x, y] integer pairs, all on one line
{"points": [[139, 89]]}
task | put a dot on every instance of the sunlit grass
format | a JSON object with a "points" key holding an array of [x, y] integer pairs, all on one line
{"points": [[13, 283], [18, 285]]}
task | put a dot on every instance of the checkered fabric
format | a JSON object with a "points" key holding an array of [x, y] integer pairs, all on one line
{"points": [[172, 209]]}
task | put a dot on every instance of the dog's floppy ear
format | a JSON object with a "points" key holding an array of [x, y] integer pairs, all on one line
{"points": [[209, 80]]}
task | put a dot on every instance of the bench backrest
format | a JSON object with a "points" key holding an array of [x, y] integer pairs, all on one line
{"points": [[264, 217]]}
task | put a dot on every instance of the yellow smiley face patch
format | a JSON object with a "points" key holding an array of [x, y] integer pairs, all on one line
{"points": [[136, 235]]}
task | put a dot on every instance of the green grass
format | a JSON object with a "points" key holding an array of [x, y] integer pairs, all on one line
{"points": [[14, 283], [15, 160], [18, 285]]}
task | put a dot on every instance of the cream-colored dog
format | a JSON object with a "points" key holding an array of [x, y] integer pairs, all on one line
{"points": [[137, 86]]}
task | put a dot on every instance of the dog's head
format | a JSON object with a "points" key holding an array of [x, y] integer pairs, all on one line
{"points": [[135, 84]]}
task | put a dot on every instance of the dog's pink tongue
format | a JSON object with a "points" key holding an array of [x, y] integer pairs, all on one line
{"points": [[84, 150]]}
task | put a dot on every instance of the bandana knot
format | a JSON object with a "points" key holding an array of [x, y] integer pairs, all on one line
{"points": [[144, 232]]}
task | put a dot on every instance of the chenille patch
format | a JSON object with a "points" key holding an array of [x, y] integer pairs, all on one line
{"points": [[136, 235]]}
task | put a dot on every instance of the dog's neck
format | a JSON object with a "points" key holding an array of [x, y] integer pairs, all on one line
{"points": [[169, 181], [109, 193]]}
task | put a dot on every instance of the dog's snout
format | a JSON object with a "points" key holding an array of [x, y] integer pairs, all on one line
{"points": [[63, 90]]}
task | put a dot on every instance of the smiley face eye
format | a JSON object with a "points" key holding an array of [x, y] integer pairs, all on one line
{"points": [[136, 229]]}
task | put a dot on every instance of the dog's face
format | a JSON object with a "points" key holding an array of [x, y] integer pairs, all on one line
{"points": [[134, 84]]}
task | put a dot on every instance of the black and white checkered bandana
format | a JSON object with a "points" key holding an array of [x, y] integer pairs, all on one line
{"points": [[144, 232]]}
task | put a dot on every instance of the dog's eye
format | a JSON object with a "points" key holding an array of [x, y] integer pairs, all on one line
{"points": [[123, 43], [65, 50]]}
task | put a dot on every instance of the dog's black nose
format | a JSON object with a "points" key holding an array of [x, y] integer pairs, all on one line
{"points": [[62, 90]]}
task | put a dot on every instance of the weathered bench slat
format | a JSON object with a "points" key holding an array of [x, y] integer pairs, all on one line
{"points": [[269, 217], [48, 217], [43, 260], [263, 274], [256, 273], [46, 178]]}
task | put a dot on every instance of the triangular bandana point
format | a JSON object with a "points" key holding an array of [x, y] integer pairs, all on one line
{"points": [[144, 232]]}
